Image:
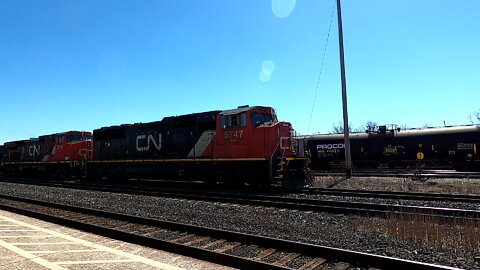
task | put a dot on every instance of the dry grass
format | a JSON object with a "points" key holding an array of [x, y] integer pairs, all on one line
{"points": [[459, 238]]}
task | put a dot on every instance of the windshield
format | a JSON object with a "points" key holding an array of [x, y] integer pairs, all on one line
{"points": [[261, 118], [77, 138]]}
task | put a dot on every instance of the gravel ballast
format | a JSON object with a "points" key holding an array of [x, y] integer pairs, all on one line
{"points": [[372, 235], [468, 186]]}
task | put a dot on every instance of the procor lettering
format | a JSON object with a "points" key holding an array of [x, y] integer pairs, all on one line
{"points": [[143, 142], [331, 146]]}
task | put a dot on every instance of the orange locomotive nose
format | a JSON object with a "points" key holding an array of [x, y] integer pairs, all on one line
{"points": [[252, 132]]}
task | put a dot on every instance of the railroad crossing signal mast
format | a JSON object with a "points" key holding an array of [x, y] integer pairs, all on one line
{"points": [[348, 158]]}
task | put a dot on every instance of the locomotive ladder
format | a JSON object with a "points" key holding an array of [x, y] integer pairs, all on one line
{"points": [[277, 166], [287, 172], [279, 169]]}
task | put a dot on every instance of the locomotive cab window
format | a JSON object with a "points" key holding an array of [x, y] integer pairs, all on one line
{"points": [[77, 138], [262, 118], [235, 120], [74, 138], [243, 120]]}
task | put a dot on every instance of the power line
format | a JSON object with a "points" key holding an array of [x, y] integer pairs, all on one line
{"points": [[321, 69]]}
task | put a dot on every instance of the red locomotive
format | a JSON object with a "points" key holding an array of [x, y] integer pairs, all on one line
{"points": [[244, 145], [62, 153]]}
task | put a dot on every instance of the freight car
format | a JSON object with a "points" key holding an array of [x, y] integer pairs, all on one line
{"points": [[446, 147], [243, 145], [61, 154]]}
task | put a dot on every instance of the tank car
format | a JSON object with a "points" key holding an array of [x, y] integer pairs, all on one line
{"points": [[445, 147], [56, 154], [243, 145]]}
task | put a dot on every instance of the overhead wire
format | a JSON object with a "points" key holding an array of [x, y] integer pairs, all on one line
{"points": [[321, 69]]}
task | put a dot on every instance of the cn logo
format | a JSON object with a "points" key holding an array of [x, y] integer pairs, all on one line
{"points": [[282, 145], [143, 142], [34, 150]]}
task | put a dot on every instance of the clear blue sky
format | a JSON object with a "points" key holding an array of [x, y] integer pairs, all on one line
{"points": [[80, 65]]}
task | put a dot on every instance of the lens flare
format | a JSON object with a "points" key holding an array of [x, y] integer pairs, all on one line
{"points": [[265, 75], [283, 8], [268, 65]]}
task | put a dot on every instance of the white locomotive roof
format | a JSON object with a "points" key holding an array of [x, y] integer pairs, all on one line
{"points": [[237, 110]]}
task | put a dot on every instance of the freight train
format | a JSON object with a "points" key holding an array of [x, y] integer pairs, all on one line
{"points": [[243, 145], [445, 147]]}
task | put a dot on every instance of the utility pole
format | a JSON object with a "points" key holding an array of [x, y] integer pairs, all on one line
{"points": [[346, 131]]}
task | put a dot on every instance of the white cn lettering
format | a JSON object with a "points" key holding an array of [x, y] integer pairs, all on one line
{"points": [[34, 150], [282, 146], [149, 139], [158, 145], [139, 149]]}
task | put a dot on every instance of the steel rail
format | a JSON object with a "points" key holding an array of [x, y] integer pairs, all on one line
{"points": [[329, 206], [466, 198], [411, 173], [402, 195], [365, 259]]}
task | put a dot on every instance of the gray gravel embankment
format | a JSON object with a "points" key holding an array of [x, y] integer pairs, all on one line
{"points": [[441, 204], [349, 232], [432, 185]]}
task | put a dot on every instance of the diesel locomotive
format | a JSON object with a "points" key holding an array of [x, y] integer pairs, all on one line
{"points": [[63, 153], [243, 145], [445, 147]]}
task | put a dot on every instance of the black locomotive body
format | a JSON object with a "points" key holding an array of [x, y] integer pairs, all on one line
{"points": [[149, 149], [14, 153], [3, 154], [446, 147]]}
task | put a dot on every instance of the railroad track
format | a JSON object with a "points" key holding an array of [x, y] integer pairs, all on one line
{"points": [[441, 214], [228, 248], [417, 174], [391, 195]]}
